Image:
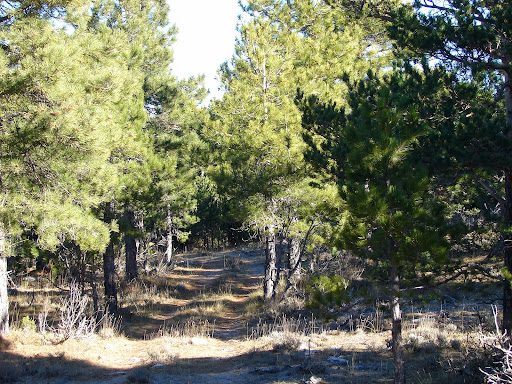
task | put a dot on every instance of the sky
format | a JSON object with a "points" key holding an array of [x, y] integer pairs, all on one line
{"points": [[206, 37]]}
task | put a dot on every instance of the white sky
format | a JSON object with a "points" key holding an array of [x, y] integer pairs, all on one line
{"points": [[206, 37]]}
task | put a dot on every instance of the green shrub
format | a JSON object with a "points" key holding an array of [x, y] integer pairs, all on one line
{"points": [[28, 323], [328, 291]]}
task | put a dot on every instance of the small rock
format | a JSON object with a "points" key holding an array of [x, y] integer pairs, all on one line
{"points": [[337, 360], [303, 347], [158, 366], [139, 376], [266, 370]]}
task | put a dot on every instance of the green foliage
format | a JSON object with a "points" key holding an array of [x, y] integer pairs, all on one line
{"points": [[370, 149], [27, 324], [157, 177], [256, 131], [471, 38], [68, 99], [328, 292]]}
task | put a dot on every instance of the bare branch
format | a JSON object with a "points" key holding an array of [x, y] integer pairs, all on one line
{"points": [[492, 191]]}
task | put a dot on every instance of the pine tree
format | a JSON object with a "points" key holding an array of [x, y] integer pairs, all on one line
{"points": [[471, 38], [151, 180], [66, 97], [256, 127], [389, 213]]}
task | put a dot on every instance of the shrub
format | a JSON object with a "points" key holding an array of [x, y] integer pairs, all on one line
{"points": [[28, 324], [328, 291]]}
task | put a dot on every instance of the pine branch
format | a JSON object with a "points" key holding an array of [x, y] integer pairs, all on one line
{"points": [[375, 8]]}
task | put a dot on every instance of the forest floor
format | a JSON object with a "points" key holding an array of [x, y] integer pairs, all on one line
{"points": [[203, 322]]}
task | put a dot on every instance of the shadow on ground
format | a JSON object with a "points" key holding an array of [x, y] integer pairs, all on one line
{"points": [[254, 367]]}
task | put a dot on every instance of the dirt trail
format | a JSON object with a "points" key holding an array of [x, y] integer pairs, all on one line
{"points": [[202, 281], [239, 273], [215, 287]]}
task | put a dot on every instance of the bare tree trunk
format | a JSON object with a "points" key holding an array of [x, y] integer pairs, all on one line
{"points": [[168, 250], [396, 330], [294, 259], [507, 216], [4, 301], [279, 259], [94, 291], [130, 247], [270, 280], [109, 269], [507, 289]]}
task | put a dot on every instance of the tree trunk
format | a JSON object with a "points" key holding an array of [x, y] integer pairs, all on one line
{"points": [[396, 330], [507, 216], [294, 260], [92, 283], [4, 301], [507, 289], [130, 247], [168, 250], [270, 280], [279, 259], [109, 269]]}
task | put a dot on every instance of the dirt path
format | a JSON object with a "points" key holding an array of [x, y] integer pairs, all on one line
{"points": [[212, 287]]}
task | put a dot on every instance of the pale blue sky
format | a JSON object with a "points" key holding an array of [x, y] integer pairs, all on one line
{"points": [[207, 31]]}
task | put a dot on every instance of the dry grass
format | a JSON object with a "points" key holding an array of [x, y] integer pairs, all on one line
{"points": [[191, 350], [209, 311], [185, 310], [143, 296]]}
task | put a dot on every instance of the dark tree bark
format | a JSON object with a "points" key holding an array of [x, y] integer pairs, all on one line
{"points": [[396, 328], [294, 259], [507, 289], [109, 269], [4, 302], [170, 234], [94, 292], [507, 214], [270, 280], [130, 246]]}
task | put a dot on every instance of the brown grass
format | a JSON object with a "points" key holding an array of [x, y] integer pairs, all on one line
{"points": [[208, 319]]}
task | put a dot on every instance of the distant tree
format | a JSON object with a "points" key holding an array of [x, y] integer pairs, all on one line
{"points": [[389, 213], [153, 181]]}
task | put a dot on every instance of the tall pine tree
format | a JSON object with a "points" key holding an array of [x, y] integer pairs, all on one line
{"points": [[389, 213], [472, 39], [256, 126], [66, 97]]}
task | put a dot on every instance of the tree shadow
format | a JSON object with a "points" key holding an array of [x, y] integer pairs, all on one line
{"points": [[251, 367]]}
